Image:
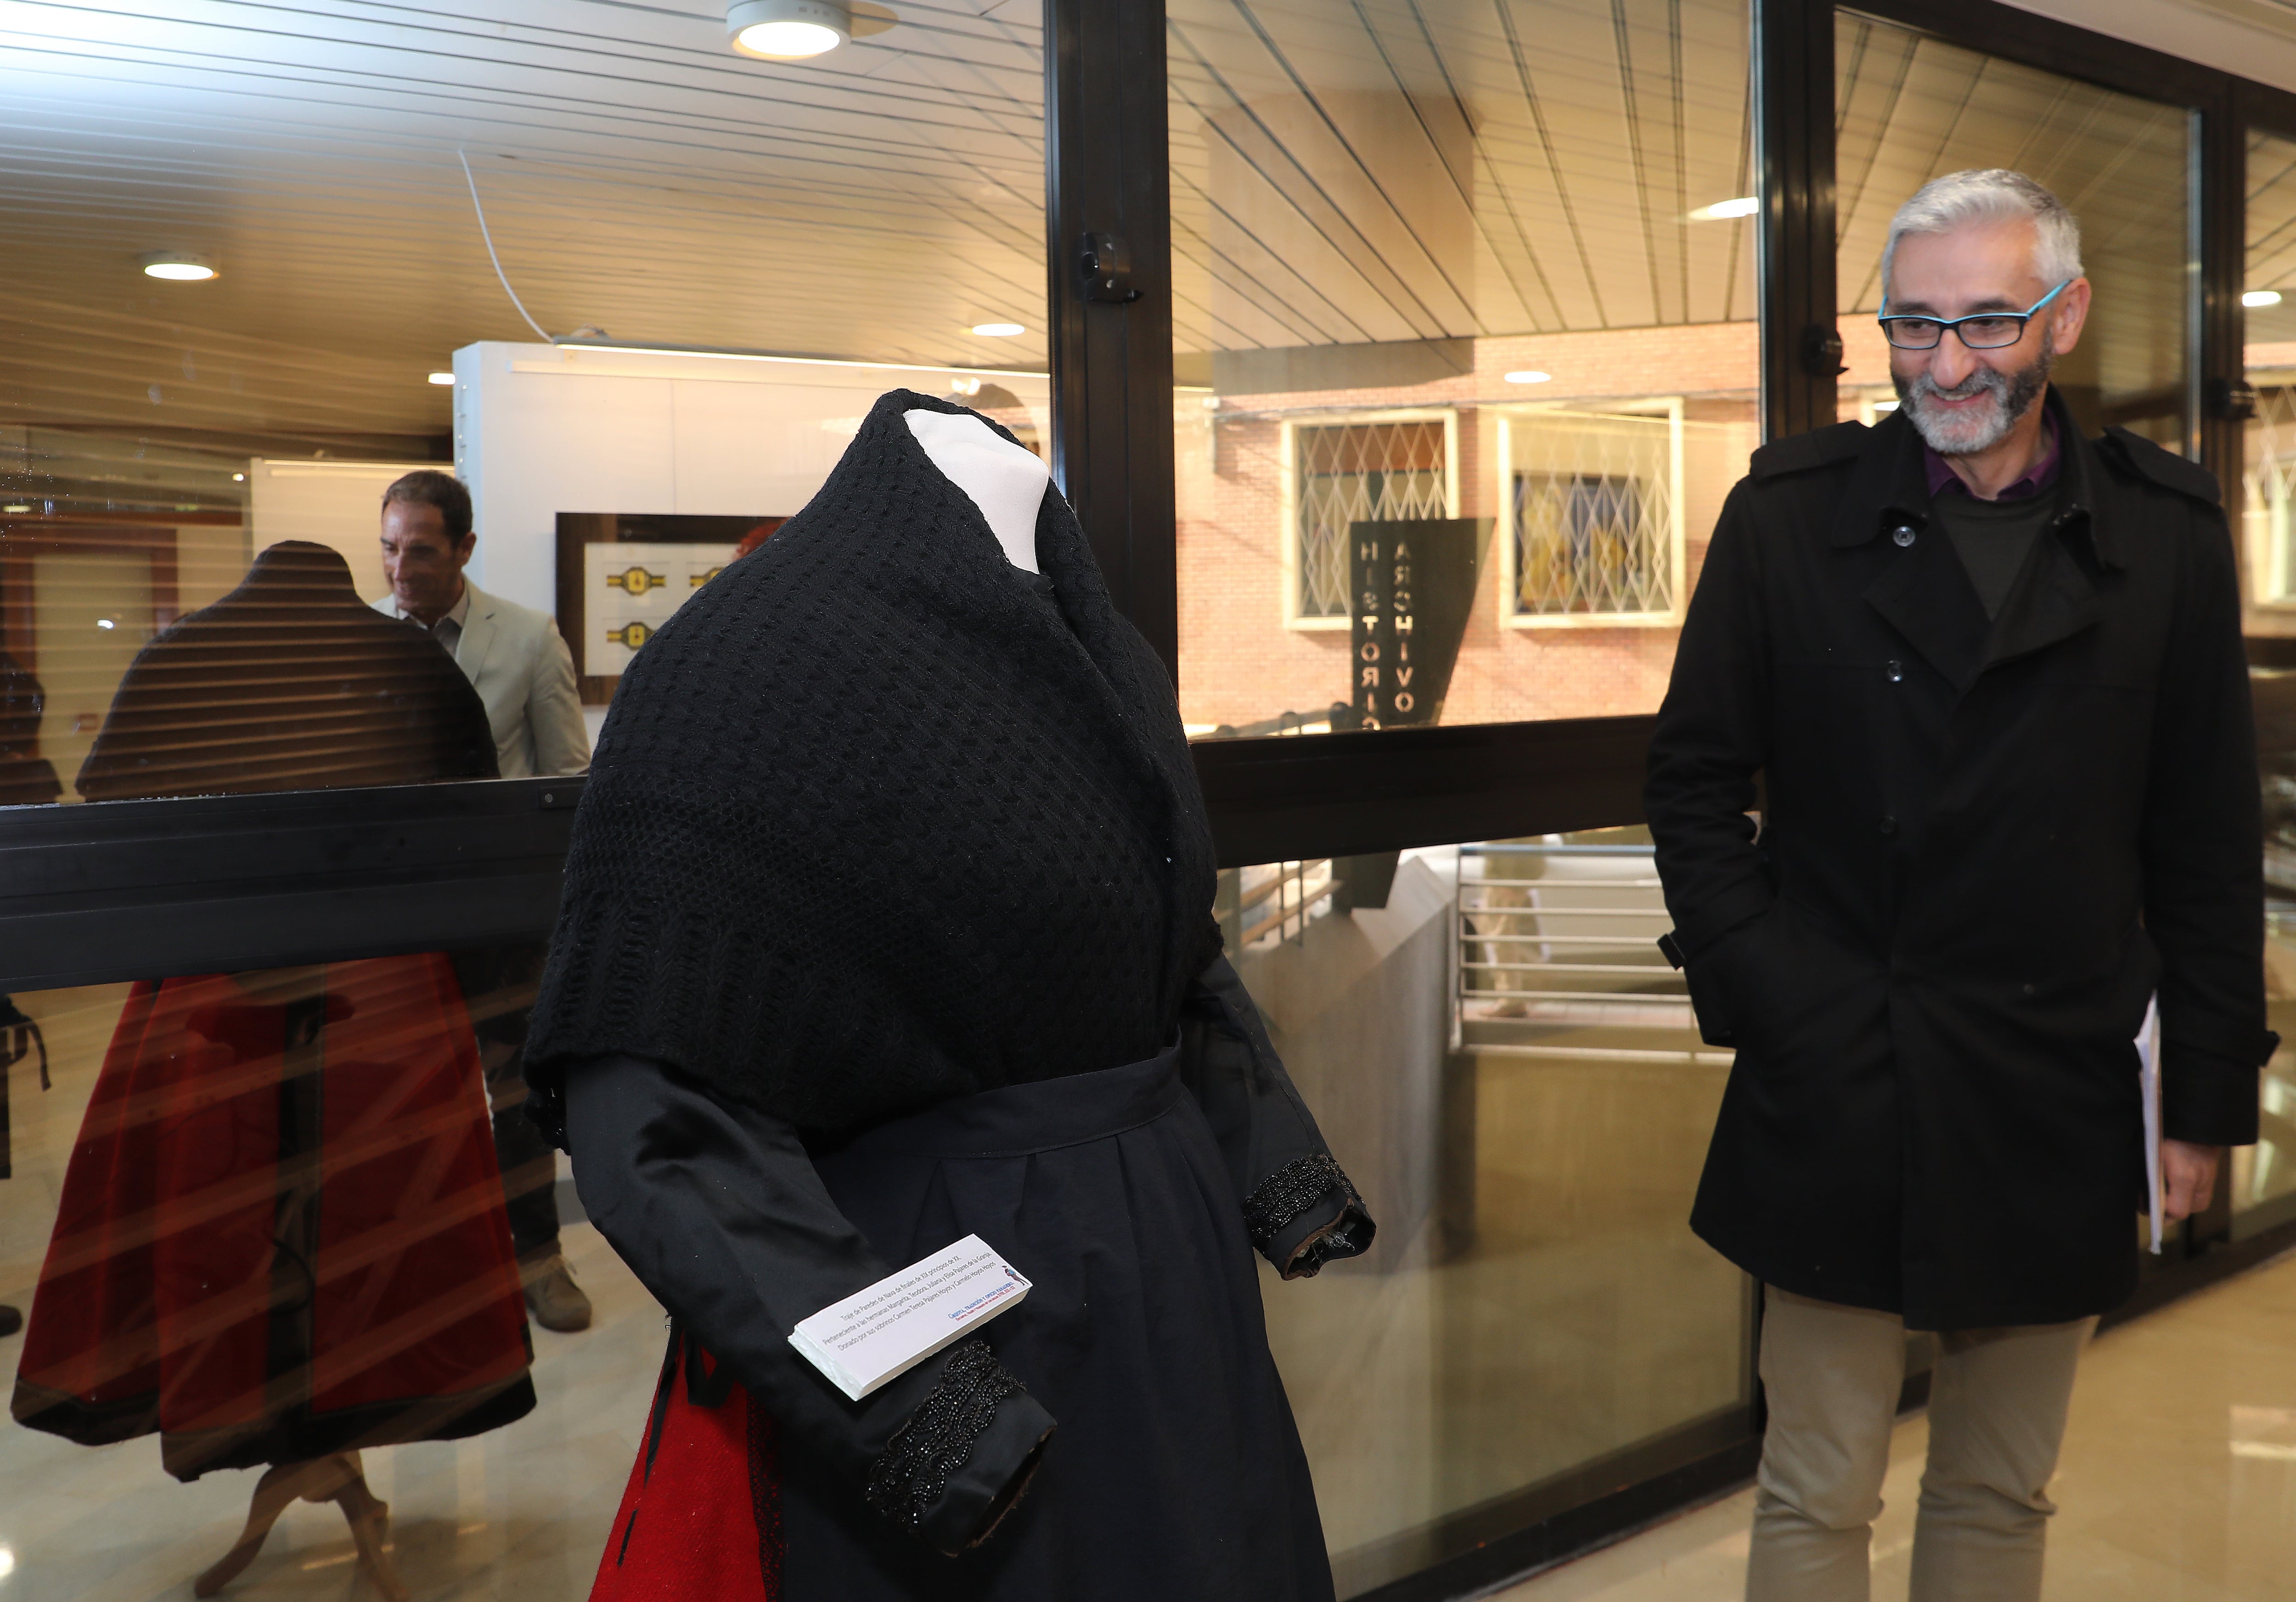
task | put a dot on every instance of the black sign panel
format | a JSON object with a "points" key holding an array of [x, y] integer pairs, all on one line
{"points": [[1414, 588]]}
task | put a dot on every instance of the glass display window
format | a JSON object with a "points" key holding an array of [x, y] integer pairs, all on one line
{"points": [[266, 264], [1911, 106], [1509, 1071], [1419, 263]]}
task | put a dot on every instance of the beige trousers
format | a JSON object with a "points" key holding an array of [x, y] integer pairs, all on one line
{"points": [[1997, 1402]]}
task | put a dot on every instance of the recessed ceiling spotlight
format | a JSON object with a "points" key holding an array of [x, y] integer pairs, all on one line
{"points": [[788, 30], [1528, 375], [2260, 297], [1723, 211], [178, 267], [239, 477], [442, 378], [998, 330]]}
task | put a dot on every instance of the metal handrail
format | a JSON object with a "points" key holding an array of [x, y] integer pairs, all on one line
{"points": [[1490, 948]]}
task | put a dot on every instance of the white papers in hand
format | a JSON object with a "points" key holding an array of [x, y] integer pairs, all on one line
{"points": [[881, 1333], [2148, 1076]]}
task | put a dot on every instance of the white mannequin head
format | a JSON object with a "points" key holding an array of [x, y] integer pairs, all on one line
{"points": [[1005, 480]]}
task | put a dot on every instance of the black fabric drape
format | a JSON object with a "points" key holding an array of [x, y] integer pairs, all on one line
{"points": [[870, 825], [291, 682]]}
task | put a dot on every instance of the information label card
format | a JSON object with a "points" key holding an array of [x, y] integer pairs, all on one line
{"points": [[881, 1333]]}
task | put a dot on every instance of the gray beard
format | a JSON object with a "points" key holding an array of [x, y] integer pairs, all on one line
{"points": [[1968, 433]]}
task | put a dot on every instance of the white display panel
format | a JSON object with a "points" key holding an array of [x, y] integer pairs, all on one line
{"points": [[541, 429]]}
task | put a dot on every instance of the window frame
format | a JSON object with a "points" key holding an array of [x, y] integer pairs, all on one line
{"points": [[1505, 534], [1287, 446]]}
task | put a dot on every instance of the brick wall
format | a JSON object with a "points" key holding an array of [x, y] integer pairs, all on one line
{"points": [[1241, 663]]}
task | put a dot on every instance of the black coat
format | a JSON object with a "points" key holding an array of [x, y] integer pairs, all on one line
{"points": [[1984, 845]]}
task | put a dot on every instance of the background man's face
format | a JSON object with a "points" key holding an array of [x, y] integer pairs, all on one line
{"points": [[424, 569], [1962, 400]]}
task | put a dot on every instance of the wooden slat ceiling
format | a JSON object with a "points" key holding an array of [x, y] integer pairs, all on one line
{"points": [[1344, 171], [1392, 169], [2272, 236], [637, 176], [1909, 108], [1358, 171]]}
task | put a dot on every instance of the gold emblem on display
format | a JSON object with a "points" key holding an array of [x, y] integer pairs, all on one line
{"points": [[636, 581], [632, 634], [698, 579]]}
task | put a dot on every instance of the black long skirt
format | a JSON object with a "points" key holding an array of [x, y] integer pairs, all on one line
{"points": [[1177, 1471]]}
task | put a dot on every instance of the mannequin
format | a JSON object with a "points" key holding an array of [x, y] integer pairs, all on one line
{"points": [[887, 922], [1005, 479]]}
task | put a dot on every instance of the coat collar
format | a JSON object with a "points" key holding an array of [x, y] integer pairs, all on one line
{"points": [[1888, 489], [1925, 595]]}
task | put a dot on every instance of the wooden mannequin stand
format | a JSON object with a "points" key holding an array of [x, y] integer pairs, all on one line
{"points": [[337, 1479]]}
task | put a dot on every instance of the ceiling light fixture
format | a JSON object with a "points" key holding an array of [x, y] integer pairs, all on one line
{"points": [[1723, 211], [177, 268], [998, 330], [1528, 375], [2260, 297], [442, 378], [788, 30]]}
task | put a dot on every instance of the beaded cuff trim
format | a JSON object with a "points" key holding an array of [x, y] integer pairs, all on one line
{"points": [[937, 1440], [1283, 1195]]}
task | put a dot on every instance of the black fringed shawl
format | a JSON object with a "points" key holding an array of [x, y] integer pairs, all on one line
{"points": [[872, 824]]}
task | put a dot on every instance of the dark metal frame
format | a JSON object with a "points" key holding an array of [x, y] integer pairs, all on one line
{"points": [[142, 889]]}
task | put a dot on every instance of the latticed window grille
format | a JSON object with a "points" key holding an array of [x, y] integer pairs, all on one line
{"points": [[2269, 501], [1593, 514], [1357, 473]]}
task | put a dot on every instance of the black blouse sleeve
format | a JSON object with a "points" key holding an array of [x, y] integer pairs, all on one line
{"points": [[717, 1210], [1298, 1206]]}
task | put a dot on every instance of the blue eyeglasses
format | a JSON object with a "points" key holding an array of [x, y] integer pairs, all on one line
{"points": [[1980, 330]]}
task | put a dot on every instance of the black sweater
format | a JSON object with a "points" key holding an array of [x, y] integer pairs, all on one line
{"points": [[871, 826]]}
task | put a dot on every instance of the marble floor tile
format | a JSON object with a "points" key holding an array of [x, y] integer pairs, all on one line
{"points": [[2177, 1481], [519, 1515]]}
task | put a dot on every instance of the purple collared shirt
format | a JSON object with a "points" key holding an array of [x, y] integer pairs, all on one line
{"points": [[2037, 477]]}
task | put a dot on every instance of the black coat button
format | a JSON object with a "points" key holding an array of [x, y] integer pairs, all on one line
{"points": [[1903, 535], [1888, 825], [1893, 671]]}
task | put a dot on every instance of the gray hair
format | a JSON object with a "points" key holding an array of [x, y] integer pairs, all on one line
{"points": [[1987, 195]]}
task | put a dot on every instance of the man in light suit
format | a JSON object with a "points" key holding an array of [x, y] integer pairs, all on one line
{"points": [[512, 655], [518, 662]]}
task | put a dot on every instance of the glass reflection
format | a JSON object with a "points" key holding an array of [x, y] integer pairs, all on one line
{"points": [[290, 681], [1910, 108], [1502, 1060], [1476, 283], [263, 1245]]}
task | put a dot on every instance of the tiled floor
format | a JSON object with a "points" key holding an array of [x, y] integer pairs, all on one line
{"points": [[516, 1515], [1534, 1300], [2177, 1483]]}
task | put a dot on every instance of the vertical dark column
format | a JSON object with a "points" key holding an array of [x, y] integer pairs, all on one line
{"points": [[2221, 249], [1793, 131], [1108, 240]]}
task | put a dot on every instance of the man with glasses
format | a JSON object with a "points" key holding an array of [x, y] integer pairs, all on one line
{"points": [[1990, 675]]}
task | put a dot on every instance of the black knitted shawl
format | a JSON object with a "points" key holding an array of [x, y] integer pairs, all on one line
{"points": [[871, 823]]}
